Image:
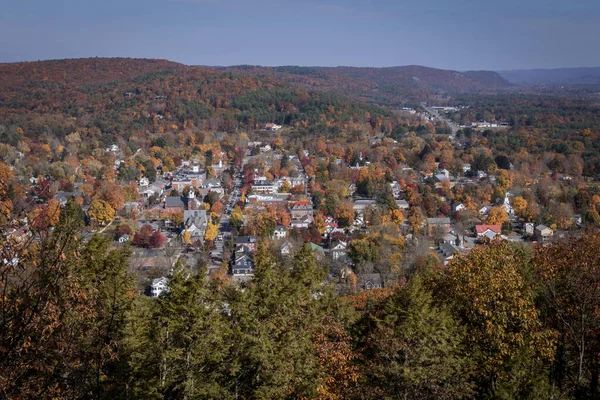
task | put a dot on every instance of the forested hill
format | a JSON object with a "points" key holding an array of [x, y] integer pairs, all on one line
{"points": [[389, 86], [558, 76], [126, 99]]}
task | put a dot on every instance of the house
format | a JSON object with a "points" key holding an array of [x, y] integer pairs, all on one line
{"points": [[159, 286], [317, 250], [442, 224], [489, 231], [338, 249], [272, 127], [361, 205], [263, 186], [529, 228], [248, 241], [466, 168], [396, 189], [402, 204], [543, 233], [370, 281], [63, 197], [301, 209], [212, 183], [451, 238], [144, 182], [446, 252], [174, 204], [458, 207], [301, 223], [279, 233], [243, 265], [195, 222], [442, 175], [485, 210], [286, 248], [124, 238]]}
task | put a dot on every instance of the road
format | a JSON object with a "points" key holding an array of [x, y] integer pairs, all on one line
{"points": [[224, 228], [440, 117]]}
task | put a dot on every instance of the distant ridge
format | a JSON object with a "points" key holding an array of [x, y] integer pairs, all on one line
{"points": [[387, 85], [557, 76]]}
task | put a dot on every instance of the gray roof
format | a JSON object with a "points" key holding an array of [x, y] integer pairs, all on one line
{"points": [[435, 221], [174, 201], [245, 239], [196, 217], [448, 249], [402, 203]]}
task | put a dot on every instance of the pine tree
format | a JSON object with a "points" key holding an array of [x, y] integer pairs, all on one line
{"points": [[182, 343], [416, 349]]}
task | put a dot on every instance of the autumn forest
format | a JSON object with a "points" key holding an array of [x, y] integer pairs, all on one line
{"points": [[182, 232]]}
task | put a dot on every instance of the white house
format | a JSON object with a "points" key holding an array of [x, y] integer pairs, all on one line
{"points": [[338, 249], [159, 286], [459, 207], [529, 228], [124, 238], [279, 233]]}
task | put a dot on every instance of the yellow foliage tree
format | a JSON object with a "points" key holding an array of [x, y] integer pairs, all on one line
{"points": [[186, 237], [519, 205], [101, 212], [53, 212], [497, 216], [211, 232]]}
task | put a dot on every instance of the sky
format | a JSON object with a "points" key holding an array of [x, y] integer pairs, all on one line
{"points": [[460, 34]]}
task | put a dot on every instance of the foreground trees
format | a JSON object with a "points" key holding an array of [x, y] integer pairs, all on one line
{"points": [[502, 322]]}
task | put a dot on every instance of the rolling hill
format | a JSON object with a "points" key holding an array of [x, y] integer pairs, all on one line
{"points": [[388, 86], [559, 76]]}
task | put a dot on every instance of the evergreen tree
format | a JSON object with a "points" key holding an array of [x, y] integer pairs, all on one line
{"points": [[416, 350], [181, 345]]}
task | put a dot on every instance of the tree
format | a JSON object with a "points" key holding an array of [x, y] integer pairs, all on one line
{"points": [[101, 212], [285, 187], [156, 239], [568, 274], [236, 218], [170, 356], [211, 197], [6, 176], [186, 237], [142, 236], [497, 216], [211, 232], [495, 301], [281, 320], [416, 219], [417, 349], [519, 204]]}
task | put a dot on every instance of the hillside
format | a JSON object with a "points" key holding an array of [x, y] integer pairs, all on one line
{"points": [[115, 99], [390, 86], [559, 76]]}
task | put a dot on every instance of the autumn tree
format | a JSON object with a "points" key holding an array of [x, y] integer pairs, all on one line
{"points": [[569, 278], [212, 230], [496, 303], [101, 212], [497, 216], [236, 218]]}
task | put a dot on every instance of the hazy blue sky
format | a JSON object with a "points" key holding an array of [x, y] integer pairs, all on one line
{"points": [[459, 34]]}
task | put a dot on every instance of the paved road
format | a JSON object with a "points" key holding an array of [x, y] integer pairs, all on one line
{"points": [[224, 228], [440, 117]]}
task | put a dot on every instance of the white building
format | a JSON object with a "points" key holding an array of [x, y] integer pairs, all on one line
{"points": [[159, 286]]}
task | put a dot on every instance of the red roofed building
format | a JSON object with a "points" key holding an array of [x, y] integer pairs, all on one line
{"points": [[490, 231]]}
